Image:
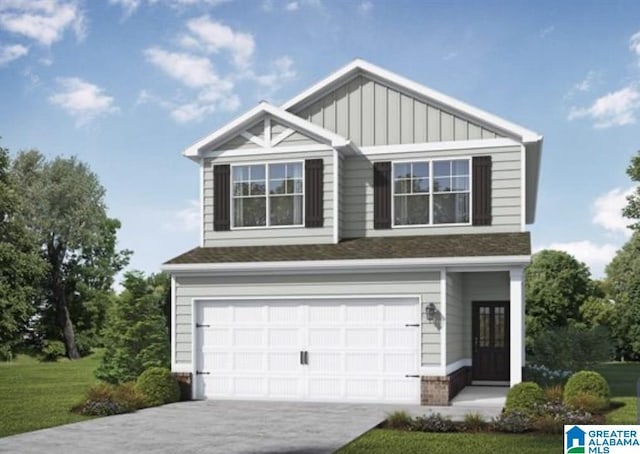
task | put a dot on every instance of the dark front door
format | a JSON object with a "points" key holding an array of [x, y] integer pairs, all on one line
{"points": [[490, 341]]}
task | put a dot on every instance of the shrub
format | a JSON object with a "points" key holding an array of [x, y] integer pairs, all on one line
{"points": [[433, 423], [554, 393], [524, 398], [587, 389], [158, 386], [512, 422], [52, 350], [474, 422], [572, 348], [104, 399], [545, 376], [399, 419], [551, 417]]}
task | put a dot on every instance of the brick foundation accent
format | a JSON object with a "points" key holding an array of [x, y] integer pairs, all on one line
{"points": [[184, 381], [434, 390], [438, 390]]}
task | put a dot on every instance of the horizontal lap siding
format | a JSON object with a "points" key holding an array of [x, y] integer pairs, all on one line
{"points": [[262, 236], [505, 197], [372, 113], [427, 285], [457, 328]]}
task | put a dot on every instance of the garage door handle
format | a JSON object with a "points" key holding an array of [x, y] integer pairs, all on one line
{"points": [[301, 358], [412, 376], [306, 358], [199, 372], [415, 325], [198, 325]]}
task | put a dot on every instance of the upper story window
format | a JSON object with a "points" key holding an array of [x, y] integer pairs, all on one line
{"points": [[431, 192], [267, 195]]}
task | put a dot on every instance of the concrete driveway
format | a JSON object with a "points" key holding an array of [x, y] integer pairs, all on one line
{"points": [[210, 427]]}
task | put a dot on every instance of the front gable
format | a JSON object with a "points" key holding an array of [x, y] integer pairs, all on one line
{"points": [[268, 133], [371, 112]]}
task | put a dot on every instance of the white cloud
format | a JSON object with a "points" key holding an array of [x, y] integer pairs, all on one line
{"points": [[11, 53], [185, 219], [191, 70], [43, 21], [547, 31], [596, 256], [586, 83], [281, 72], [365, 7], [213, 36], [613, 109], [292, 6], [634, 44], [607, 211], [129, 6], [82, 100]]}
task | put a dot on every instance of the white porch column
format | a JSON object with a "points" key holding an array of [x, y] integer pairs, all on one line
{"points": [[516, 323]]}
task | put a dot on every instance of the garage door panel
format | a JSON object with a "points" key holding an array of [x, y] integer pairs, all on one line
{"points": [[363, 388], [249, 386], [216, 336], [362, 362], [329, 313], [248, 361], [325, 362], [282, 313], [398, 362], [362, 337], [327, 388], [248, 337], [325, 337], [284, 361], [363, 313], [399, 338], [285, 387], [358, 350]]}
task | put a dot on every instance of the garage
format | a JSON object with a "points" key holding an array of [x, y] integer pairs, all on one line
{"points": [[323, 349]]}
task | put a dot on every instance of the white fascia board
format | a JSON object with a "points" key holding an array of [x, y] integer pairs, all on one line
{"points": [[328, 266], [440, 146], [436, 97], [235, 127]]}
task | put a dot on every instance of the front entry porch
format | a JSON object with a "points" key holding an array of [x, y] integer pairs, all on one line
{"points": [[479, 326]]}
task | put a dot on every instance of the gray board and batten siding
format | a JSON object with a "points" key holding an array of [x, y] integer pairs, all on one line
{"points": [[427, 285], [370, 113]]}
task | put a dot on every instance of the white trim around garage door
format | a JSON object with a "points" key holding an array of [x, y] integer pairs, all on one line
{"points": [[302, 298]]}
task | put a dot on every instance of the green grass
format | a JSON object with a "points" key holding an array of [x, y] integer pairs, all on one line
{"points": [[622, 379], [35, 395], [391, 441]]}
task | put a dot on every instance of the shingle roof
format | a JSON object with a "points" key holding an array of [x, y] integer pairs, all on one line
{"points": [[468, 245]]}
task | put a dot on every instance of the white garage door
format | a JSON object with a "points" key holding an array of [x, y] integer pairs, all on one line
{"points": [[317, 350]]}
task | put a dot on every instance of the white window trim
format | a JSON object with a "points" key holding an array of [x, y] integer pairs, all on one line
{"points": [[268, 205], [430, 161]]}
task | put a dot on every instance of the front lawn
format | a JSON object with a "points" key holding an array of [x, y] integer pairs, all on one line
{"points": [[35, 395], [394, 441], [622, 379]]}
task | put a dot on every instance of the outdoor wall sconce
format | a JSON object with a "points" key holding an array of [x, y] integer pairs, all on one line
{"points": [[431, 312]]}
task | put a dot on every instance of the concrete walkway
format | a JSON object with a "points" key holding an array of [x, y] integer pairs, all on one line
{"points": [[218, 427]]}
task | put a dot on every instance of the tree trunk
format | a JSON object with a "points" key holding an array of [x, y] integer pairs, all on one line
{"points": [[67, 327], [56, 255]]}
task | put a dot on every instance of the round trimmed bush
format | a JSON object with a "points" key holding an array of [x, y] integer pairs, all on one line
{"points": [[587, 390], [524, 398], [158, 386]]}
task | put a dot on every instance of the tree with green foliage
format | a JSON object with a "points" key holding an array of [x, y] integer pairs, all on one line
{"points": [[136, 336], [556, 286], [64, 207], [632, 210], [21, 267], [623, 277]]}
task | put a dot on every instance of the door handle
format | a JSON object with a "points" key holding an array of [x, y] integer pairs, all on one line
{"points": [[301, 358], [306, 358], [475, 344]]}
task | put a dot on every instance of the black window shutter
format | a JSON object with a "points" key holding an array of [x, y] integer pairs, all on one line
{"points": [[382, 195], [221, 198], [314, 193], [482, 190]]}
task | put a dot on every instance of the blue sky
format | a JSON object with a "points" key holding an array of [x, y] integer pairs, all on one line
{"points": [[126, 85]]}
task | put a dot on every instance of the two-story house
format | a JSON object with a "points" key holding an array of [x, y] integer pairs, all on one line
{"points": [[363, 242]]}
